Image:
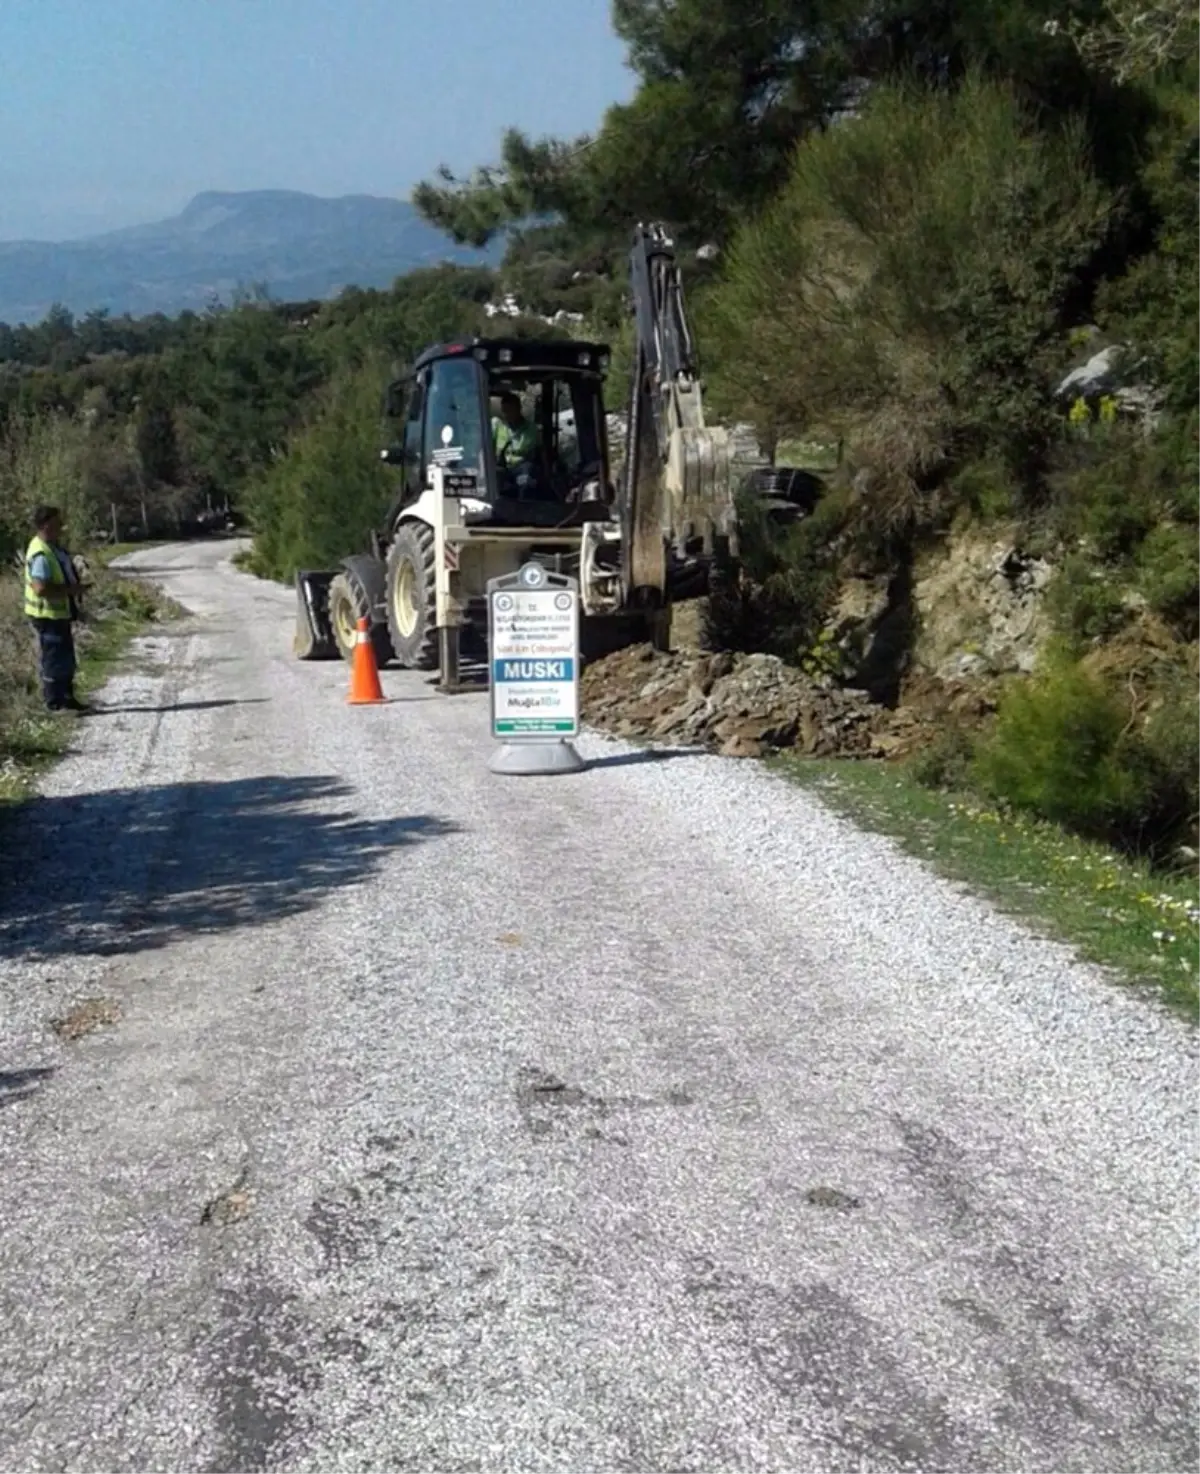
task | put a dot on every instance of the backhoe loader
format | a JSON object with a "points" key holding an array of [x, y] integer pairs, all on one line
{"points": [[465, 511]]}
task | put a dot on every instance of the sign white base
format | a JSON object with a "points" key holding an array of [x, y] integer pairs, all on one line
{"points": [[527, 759]]}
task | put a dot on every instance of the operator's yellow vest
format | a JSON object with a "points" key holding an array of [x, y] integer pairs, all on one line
{"points": [[54, 603], [514, 445]]}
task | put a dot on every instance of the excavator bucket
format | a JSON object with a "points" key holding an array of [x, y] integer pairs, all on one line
{"points": [[313, 639], [700, 485], [683, 475]]}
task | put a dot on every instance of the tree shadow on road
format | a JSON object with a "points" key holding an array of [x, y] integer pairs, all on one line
{"points": [[133, 869]]}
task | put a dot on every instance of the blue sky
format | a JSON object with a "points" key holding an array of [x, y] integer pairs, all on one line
{"points": [[116, 112]]}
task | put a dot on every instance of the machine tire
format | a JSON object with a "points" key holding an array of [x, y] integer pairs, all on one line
{"points": [[780, 487], [348, 603], [412, 597]]}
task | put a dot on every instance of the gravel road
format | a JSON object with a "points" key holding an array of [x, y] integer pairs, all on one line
{"points": [[646, 1119]]}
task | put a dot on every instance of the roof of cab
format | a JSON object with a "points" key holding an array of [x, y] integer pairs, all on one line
{"points": [[550, 351]]}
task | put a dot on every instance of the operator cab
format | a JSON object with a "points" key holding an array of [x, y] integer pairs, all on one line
{"points": [[527, 417]]}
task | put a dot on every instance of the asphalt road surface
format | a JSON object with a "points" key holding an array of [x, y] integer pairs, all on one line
{"points": [[402, 1116]]}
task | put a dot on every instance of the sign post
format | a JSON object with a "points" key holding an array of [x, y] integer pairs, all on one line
{"points": [[533, 652]]}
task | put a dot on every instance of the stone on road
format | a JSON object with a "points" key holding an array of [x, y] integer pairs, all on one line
{"points": [[651, 1118]]}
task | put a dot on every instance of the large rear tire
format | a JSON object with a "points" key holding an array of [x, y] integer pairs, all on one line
{"points": [[348, 603], [412, 597]]}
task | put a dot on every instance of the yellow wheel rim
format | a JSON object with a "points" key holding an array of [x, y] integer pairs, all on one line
{"points": [[404, 598], [345, 622]]}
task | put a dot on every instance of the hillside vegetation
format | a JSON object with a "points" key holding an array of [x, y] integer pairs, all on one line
{"points": [[921, 219], [927, 217]]}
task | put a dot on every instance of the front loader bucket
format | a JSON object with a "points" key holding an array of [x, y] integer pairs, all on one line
{"points": [[313, 639]]}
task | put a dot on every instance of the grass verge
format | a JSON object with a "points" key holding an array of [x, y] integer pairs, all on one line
{"points": [[820, 456], [1114, 911], [110, 551], [118, 608]]}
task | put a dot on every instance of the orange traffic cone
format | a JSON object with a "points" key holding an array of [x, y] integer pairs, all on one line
{"points": [[365, 689]]}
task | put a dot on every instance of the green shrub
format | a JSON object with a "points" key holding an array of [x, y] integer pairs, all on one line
{"points": [[46, 458], [946, 761], [1168, 569], [318, 501], [1109, 492], [910, 287], [1084, 600], [789, 577], [1125, 505], [985, 489], [19, 704], [133, 599], [1059, 749], [1154, 304], [1173, 731]]}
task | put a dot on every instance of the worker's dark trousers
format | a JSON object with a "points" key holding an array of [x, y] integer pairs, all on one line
{"points": [[56, 660]]}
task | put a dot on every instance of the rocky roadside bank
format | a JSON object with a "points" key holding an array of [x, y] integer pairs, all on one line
{"points": [[750, 705]]}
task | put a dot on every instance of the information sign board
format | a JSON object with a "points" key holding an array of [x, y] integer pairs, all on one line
{"points": [[534, 652]]}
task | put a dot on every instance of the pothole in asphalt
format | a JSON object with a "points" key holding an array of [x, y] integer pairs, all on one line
{"points": [[86, 1017], [547, 1103], [832, 1197], [536, 1085], [230, 1205], [541, 1096]]}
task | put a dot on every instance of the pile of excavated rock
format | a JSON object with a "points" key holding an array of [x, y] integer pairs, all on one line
{"points": [[739, 705]]}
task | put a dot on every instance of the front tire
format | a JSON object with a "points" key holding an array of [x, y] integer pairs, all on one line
{"points": [[348, 603], [412, 597]]}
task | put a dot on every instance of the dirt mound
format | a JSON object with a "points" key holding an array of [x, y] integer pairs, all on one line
{"points": [[740, 705]]}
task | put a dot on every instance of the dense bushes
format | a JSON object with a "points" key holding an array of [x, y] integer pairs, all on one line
{"points": [[324, 486], [1167, 575], [910, 286], [1072, 746], [915, 289], [1059, 749], [787, 581], [1122, 523], [87, 463], [908, 291], [18, 671], [318, 500], [42, 460]]}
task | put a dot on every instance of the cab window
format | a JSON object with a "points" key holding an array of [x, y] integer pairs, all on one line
{"points": [[454, 427], [412, 436], [567, 429]]}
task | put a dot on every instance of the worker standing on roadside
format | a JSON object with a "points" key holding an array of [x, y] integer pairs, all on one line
{"points": [[52, 592]]}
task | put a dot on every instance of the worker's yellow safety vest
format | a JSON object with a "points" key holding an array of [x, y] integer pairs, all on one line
{"points": [[54, 603], [513, 446]]}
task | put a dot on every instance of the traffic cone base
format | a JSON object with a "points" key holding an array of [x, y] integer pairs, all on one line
{"points": [[365, 689]]}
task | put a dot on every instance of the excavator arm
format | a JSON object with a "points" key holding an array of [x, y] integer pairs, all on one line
{"points": [[677, 495]]}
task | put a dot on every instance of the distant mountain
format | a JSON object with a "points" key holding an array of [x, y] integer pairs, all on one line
{"points": [[303, 247]]}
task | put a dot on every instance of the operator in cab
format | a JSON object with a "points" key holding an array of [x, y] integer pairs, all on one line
{"points": [[514, 437]]}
